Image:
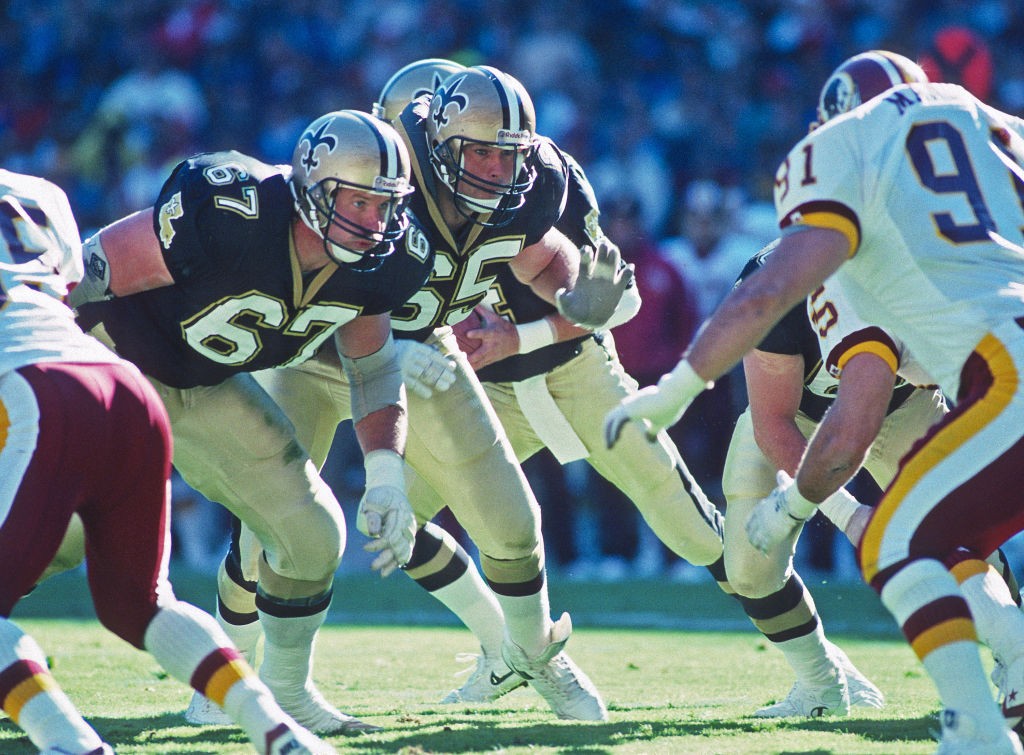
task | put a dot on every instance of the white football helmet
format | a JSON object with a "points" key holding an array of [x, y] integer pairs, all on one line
{"points": [[864, 76], [348, 148], [482, 105], [414, 80]]}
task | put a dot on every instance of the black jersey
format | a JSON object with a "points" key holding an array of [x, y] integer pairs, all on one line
{"points": [[239, 302], [794, 334], [466, 263], [518, 302]]}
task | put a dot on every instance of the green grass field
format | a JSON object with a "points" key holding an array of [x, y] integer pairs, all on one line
{"points": [[677, 667]]}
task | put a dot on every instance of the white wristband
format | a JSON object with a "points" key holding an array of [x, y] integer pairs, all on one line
{"points": [[685, 380], [535, 335], [384, 467], [840, 508], [799, 507]]}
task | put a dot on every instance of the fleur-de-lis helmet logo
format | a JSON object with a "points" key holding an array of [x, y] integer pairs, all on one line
{"points": [[314, 139], [449, 96], [431, 88]]}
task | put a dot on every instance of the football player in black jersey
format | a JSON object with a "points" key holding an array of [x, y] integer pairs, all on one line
{"points": [[241, 266], [488, 192]]}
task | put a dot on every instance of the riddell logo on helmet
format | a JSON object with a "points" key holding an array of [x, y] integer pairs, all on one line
{"points": [[513, 138], [383, 183]]}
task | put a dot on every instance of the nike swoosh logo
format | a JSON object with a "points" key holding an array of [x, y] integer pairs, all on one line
{"points": [[496, 680]]}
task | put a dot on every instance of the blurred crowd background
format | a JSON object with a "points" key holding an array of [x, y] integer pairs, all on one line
{"points": [[679, 111]]}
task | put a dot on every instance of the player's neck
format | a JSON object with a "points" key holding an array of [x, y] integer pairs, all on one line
{"points": [[309, 248]]}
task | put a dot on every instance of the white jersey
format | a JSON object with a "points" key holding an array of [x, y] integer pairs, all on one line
{"points": [[927, 184], [40, 254], [842, 334]]}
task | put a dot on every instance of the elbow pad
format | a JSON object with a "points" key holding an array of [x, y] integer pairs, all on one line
{"points": [[375, 381]]}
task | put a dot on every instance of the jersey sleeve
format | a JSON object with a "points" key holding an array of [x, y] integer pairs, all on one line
{"points": [[842, 334], [580, 220], [819, 183], [204, 212], [547, 198]]}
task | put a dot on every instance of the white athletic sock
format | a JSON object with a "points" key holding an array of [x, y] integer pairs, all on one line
{"points": [[39, 707], [245, 637], [999, 621], [808, 657], [528, 619], [469, 598], [949, 652], [288, 649], [190, 645]]}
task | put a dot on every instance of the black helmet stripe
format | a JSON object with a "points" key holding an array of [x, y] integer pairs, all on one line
{"points": [[506, 95], [387, 151]]}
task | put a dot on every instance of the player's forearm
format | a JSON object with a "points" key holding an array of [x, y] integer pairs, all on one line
{"points": [[829, 462], [383, 430]]}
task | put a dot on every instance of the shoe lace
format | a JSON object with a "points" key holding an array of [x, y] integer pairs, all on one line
{"points": [[475, 658]]}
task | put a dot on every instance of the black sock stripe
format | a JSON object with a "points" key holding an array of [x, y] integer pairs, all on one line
{"points": [[238, 619], [293, 607], [518, 589]]}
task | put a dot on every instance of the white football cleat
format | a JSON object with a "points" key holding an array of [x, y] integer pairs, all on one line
{"points": [[1009, 678], [804, 701], [290, 741], [490, 679], [307, 706], [568, 691], [863, 694], [962, 736], [202, 711], [103, 749]]}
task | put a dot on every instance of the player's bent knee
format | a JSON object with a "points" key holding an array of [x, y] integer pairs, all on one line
{"points": [[309, 543], [513, 571]]}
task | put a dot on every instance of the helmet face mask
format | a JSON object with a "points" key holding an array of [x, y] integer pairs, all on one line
{"points": [[863, 77], [347, 151], [483, 107], [414, 80]]}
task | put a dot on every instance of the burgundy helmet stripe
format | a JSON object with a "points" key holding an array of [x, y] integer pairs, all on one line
{"points": [[873, 76]]}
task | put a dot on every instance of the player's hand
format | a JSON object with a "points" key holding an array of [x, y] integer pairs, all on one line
{"points": [[424, 368], [778, 516], [385, 515], [657, 406], [600, 284], [497, 338]]}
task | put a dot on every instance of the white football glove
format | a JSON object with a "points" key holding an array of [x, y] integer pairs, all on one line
{"points": [[598, 288], [385, 514], [424, 368], [657, 406], [776, 517]]}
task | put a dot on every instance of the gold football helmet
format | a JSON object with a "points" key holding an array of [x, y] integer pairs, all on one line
{"points": [[348, 148], [481, 105], [414, 80]]}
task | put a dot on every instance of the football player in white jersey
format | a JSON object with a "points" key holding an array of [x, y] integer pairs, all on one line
{"points": [[71, 404], [915, 199]]}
